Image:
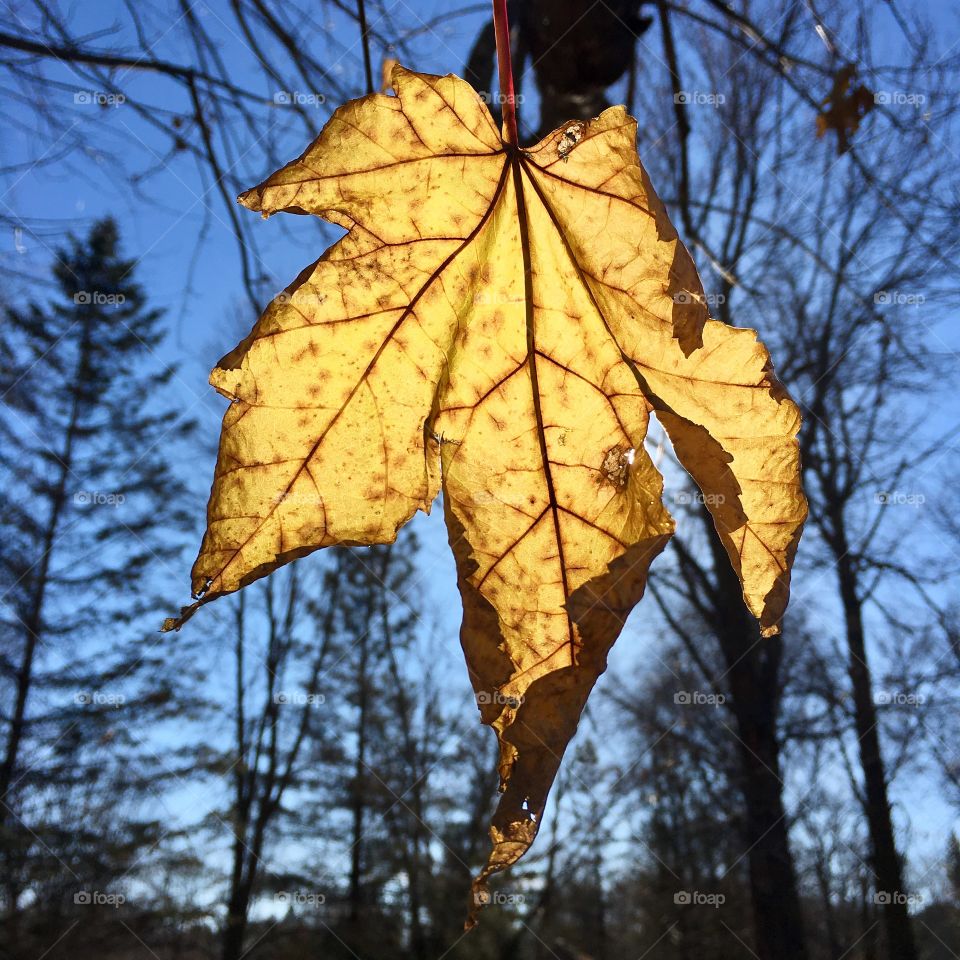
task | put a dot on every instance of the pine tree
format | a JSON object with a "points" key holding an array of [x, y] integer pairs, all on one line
{"points": [[91, 518]]}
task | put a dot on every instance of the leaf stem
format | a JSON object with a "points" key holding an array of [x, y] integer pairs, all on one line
{"points": [[507, 95]]}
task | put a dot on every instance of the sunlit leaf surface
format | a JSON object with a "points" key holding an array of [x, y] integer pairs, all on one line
{"points": [[498, 324]]}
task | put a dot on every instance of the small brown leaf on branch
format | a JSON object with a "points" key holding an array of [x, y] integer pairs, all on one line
{"points": [[844, 107]]}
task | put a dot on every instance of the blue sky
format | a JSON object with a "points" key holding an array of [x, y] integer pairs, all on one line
{"points": [[199, 282]]}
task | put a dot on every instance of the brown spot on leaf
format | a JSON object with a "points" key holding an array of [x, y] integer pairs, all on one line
{"points": [[615, 468]]}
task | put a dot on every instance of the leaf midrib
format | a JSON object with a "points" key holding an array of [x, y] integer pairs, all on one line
{"points": [[554, 506]]}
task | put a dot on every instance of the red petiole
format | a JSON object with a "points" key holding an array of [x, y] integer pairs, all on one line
{"points": [[507, 94]]}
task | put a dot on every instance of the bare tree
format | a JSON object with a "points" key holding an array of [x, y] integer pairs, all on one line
{"points": [[277, 716]]}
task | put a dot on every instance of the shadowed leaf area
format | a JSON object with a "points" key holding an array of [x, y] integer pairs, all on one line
{"points": [[499, 324]]}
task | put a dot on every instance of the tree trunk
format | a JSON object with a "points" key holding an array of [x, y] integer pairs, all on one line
{"points": [[778, 921], [231, 943], [234, 929], [359, 778], [753, 672], [885, 860], [868, 924]]}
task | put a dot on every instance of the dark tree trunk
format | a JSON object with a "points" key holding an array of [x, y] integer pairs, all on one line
{"points": [[753, 673], [578, 49], [231, 943], [359, 799], [778, 922], [885, 860], [234, 930], [238, 908], [868, 924]]}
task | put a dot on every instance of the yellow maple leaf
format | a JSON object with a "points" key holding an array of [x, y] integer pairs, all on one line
{"points": [[501, 323]]}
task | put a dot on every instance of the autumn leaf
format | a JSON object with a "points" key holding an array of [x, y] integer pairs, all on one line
{"points": [[498, 323], [844, 107]]}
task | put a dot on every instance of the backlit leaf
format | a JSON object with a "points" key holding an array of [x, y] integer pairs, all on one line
{"points": [[498, 323]]}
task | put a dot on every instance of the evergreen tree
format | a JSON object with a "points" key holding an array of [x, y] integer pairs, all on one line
{"points": [[93, 514]]}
